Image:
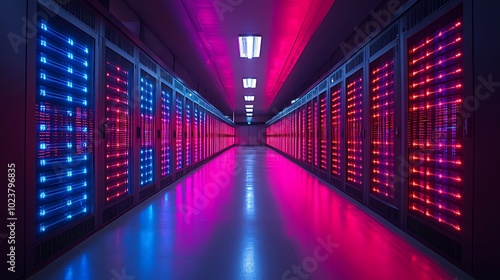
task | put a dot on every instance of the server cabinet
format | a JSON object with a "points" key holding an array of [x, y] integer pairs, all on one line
{"points": [[196, 133], [117, 134], [146, 128], [385, 194], [61, 185], [178, 132], [354, 133], [435, 136], [188, 145], [166, 130], [305, 133], [323, 164], [315, 131], [336, 130]]}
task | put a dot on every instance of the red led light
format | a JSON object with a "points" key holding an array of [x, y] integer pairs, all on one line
{"points": [[435, 150], [117, 132], [336, 129], [382, 125], [355, 128]]}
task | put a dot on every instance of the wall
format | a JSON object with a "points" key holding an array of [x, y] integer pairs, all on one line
{"points": [[250, 135]]}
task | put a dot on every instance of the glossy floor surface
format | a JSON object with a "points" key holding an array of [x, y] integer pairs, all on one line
{"points": [[248, 214]]}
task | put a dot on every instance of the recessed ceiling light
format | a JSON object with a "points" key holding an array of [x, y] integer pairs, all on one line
{"points": [[249, 82], [249, 106], [249, 114], [249, 46], [249, 110], [249, 98]]}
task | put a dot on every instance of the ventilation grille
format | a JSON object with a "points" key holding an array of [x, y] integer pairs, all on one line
{"points": [[113, 211], [390, 213], [165, 182], [79, 11], [337, 75], [166, 76], [147, 192], [444, 244], [63, 240], [353, 63], [383, 40], [421, 11], [115, 38], [336, 182], [146, 61], [357, 194], [322, 86]]}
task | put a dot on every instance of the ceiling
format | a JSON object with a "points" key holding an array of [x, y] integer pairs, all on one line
{"points": [[298, 37]]}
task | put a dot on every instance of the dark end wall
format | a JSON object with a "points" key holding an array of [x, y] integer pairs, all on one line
{"points": [[250, 135]]}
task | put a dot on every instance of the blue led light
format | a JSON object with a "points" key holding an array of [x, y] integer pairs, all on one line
{"points": [[43, 146], [69, 216], [42, 127], [42, 228], [70, 70], [84, 76], [69, 145], [43, 43], [42, 162], [43, 59], [85, 210], [68, 202], [86, 50], [69, 98], [42, 195], [42, 179], [70, 55], [70, 41], [43, 26], [42, 212], [69, 84], [42, 75], [69, 188], [69, 173], [69, 159], [43, 92], [85, 196]]}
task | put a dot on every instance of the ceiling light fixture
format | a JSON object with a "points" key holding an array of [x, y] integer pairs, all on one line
{"points": [[249, 82], [249, 46], [249, 110], [249, 114], [249, 98], [249, 106]]}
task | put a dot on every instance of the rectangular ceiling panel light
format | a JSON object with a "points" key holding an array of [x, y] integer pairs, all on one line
{"points": [[249, 110], [249, 46], [249, 106], [249, 114], [249, 98], [249, 83]]}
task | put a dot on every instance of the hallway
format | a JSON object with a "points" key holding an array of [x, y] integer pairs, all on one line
{"points": [[249, 214]]}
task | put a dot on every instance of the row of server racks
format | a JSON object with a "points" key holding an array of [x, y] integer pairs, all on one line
{"points": [[389, 127], [106, 127]]}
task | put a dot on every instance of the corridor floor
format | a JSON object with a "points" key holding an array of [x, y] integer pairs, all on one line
{"points": [[249, 214]]}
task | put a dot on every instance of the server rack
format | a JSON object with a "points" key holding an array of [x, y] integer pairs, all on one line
{"points": [[117, 133], [166, 130], [60, 120], [187, 133], [323, 164], [355, 133], [336, 130], [178, 133], [147, 127]]}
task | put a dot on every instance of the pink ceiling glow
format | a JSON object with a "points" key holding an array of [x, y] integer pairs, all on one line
{"points": [[285, 26]]}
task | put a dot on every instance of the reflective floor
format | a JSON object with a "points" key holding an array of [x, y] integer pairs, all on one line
{"points": [[249, 214]]}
